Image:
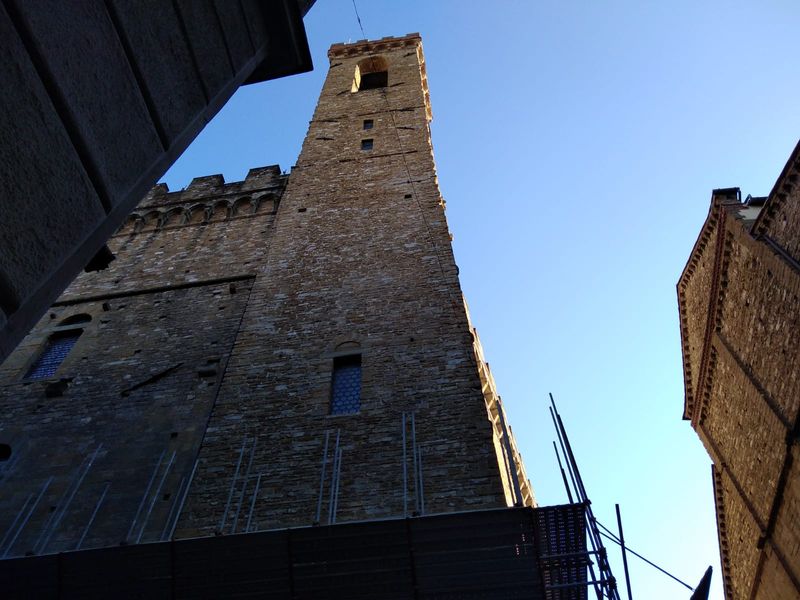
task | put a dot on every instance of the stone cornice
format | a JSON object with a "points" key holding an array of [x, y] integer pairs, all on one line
{"points": [[785, 184]]}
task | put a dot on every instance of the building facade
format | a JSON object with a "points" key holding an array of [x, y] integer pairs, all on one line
{"points": [[740, 331], [283, 351]]}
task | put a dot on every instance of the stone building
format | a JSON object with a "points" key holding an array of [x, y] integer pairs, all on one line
{"points": [[77, 78], [283, 351], [740, 331]]}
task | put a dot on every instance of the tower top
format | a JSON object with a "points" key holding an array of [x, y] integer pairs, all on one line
{"points": [[371, 46]]}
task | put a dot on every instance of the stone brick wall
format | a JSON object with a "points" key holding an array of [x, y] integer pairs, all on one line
{"points": [[741, 305], [197, 398]]}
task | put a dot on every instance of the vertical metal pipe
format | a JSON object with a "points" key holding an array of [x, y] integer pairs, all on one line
{"points": [[253, 503], [624, 555], [63, 511], [28, 516], [244, 485], [405, 470], [94, 514], [414, 455], [146, 494], [333, 475], [183, 500], [156, 495], [233, 485], [510, 453], [322, 478]]}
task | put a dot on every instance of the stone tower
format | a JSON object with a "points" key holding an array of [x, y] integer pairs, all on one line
{"points": [[281, 351]]}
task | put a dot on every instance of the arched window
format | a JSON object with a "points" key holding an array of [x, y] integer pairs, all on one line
{"points": [[371, 73], [57, 347]]}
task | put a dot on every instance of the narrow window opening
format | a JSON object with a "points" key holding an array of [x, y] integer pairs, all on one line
{"points": [[346, 385], [373, 81], [366, 144], [55, 351], [368, 124], [5, 452], [371, 73]]}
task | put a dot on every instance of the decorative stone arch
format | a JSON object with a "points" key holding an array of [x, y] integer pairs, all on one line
{"points": [[197, 214], [174, 216], [220, 211], [371, 73], [267, 202], [131, 225], [151, 221], [243, 206], [347, 346]]}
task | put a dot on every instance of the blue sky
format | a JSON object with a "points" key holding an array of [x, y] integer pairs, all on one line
{"points": [[577, 145]]}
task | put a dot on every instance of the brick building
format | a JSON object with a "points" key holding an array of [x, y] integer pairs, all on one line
{"points": [[740, 331], [283, 351]]}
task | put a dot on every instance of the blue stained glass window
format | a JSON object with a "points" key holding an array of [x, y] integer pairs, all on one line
{"points": [[346, 385], [53, 355]]}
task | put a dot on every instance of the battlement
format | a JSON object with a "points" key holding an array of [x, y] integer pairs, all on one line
{"points": [[259, 178], [208, 199], [360, 47]]}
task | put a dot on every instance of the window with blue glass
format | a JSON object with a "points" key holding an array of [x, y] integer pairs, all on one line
{"points": [[346, 385], [54, 353]]}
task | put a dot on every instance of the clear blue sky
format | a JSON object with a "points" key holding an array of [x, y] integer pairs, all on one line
{"points": [[577, 144]]}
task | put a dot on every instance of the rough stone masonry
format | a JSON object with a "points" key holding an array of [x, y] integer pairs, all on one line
{"points": [[190, 388]]}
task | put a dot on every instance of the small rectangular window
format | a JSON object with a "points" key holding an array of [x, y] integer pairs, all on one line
{"points": [[368, 124], [346, 385], [366, 144]]}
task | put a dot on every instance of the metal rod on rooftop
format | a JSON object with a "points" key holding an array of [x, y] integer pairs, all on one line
{"points": [[253, 504], [594, 535], [16, 520], [233, 485], [63, 511], [146, 494], [156, 494], [624, 556], [333, 475], [564, 452], [244, 485], [183, 499], [421, 487], [338, 479], [414, 455], [28, 516], [322, 477], [563, 474], [172, 507], [94, 514], [405, 470]]}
